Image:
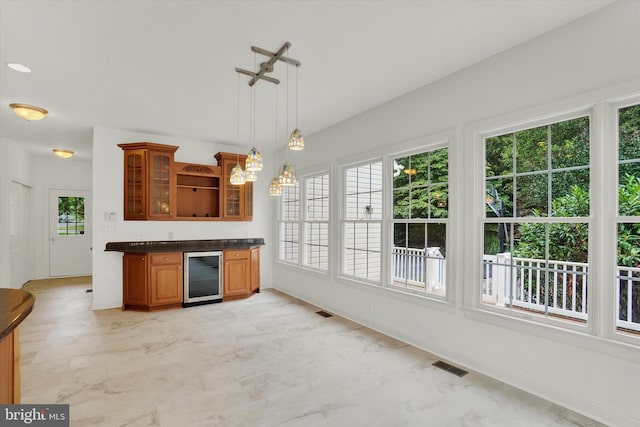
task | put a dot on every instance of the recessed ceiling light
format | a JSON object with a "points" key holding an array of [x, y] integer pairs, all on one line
{"points": [[18, 67]]}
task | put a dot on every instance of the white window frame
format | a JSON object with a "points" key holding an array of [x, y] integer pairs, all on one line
{"points": [[343, 221], [391, 221], [305, 221], [294, 223], [474, 299], [611, 302]]}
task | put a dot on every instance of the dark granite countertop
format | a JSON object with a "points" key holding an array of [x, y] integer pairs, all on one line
{"points": [[183, 245], [15, 306]]}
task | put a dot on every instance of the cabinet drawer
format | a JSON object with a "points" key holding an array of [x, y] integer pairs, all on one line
{"points": [[166, 258], [236, 254]]}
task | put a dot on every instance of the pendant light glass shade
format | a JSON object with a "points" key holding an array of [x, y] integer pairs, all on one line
{"points": [[275, 189], [296, 141], [237, 175], [287, 176], [254, 161], [250, 176]]}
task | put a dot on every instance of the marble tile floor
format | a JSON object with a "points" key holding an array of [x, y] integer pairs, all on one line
{"points": [[264, 361]]}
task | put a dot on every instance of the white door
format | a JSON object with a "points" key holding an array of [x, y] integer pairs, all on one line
{"points": [[19, 234], [70, 233]]}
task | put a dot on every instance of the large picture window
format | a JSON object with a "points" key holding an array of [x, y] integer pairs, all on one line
{"points": [[420, 211], [628, 224], [536, 226], [361, 227]]}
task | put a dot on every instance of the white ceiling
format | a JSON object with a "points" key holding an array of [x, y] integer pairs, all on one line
{"points": [[167, 67]]}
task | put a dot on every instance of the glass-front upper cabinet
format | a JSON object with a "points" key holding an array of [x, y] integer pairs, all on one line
{"points": [[148, 187], [237, 200]]}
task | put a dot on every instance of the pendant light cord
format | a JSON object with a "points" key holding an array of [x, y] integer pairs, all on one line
{"points": [[297, 103], [276, 140], [252, 124], [286, 156], [238, 121]]}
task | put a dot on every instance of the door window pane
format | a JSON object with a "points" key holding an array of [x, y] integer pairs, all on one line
{"points": [[70, 216]]}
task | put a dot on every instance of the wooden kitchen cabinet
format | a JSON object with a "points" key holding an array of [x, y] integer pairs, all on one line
{"points": [[198, 191], [149, 187], [237, 273], [134, 280], [10, 369], [158, 188], [236, 200], [152, 281], [241, 273], [255, 270]]}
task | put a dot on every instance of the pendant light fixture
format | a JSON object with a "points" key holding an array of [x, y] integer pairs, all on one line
{"points": [[250, 176], [254, 158], [296, 141], [287, 176], [237, 174], [275, 189], [254, 161]]}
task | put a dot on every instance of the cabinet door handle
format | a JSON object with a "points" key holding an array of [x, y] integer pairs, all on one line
{"points": [[166, 259]]}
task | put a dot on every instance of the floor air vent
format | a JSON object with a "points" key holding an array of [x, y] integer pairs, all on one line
{"points": [[89, 291], [324, 313], [450, 368]]}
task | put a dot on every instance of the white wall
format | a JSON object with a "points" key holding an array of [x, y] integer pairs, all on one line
{"points": [[5, 274], [590, 374], [108, 197]]}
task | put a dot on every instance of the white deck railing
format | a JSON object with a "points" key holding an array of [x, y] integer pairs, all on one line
{"points": [[422, 268], [628, 278], [556, 287], [520, 282]]}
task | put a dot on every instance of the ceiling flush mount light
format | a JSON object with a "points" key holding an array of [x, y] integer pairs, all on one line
{"points": [[28, 112], [18, 67], [65, 154]]}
